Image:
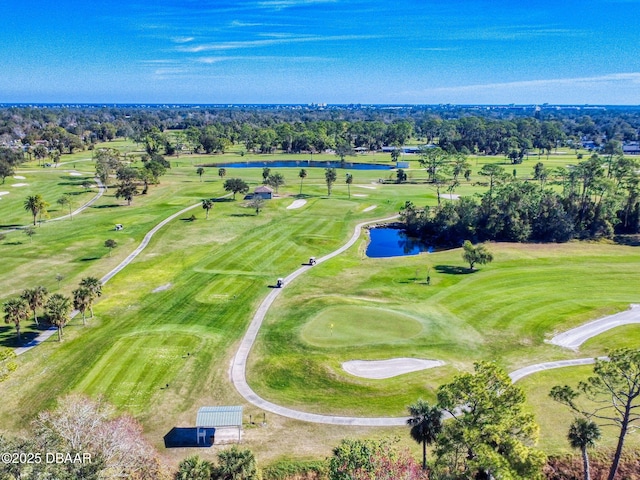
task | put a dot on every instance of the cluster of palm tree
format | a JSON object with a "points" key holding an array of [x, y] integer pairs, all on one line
{"points": [[57, 307]]}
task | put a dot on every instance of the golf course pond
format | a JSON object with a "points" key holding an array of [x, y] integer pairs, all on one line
{"points": [[304, 164], [393, 242]]}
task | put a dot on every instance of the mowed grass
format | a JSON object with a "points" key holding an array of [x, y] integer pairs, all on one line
{"points": [[503, 311], [347, 325], [175, 315]]}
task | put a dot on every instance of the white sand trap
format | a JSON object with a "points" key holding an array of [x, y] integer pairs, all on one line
{"points": [[4, 193], [368, 209], [379, 369], [360, 195], [76, 174], [19, 184], [367, 186], [162, 288], [450, 196], [296, 204], [19, 177]]}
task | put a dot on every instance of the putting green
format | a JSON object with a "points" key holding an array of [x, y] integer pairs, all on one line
{"points": [[351, 325]]}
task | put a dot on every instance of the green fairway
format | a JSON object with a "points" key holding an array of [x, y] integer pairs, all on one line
{"points": [[175, 315], [349, 325]]}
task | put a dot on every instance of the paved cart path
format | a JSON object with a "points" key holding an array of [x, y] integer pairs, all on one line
{"points": [[94, 199], [238, 366], [145, 241], [577, 336], [570, 339]]}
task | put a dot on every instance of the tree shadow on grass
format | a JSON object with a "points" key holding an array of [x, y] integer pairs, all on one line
{"points": [[242, 215], [453, 270], [628, 240], [11, 341], [113, 205], [222, 200]]}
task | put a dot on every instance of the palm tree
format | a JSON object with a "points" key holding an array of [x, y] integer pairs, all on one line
{"points": [[35, 298], [58, 308], [235, 464], [349, 181], [426, 424], [330, 176], [65, 201], [82, 301], [194, 468], [583, 433], [207, 204], [222, 172], [95, 287], [200, 171], [302, 175], [36, 205], [15, 311]]}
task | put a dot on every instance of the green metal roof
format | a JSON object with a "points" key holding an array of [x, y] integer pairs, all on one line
{"points": [[219, 417]]}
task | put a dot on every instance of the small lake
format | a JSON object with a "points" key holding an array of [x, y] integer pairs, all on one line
{"points": [[304, 164], [393, 242]]}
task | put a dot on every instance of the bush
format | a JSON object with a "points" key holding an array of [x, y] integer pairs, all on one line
{"points": [[569, 467]]}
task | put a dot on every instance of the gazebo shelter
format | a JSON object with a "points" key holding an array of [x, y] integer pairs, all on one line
{"points": [[218, 417]]}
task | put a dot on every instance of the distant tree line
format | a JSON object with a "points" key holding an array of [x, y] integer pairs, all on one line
{"points": [[598, 197], [511, 132]]}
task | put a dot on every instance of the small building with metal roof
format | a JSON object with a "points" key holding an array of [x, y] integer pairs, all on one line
{"points": [[264, 192], [218, 418]]}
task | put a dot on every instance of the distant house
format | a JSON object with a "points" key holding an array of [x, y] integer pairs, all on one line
{"points": [[263, 191], [631, 148]]}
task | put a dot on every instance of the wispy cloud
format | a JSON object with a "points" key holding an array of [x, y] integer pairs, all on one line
{"points": [[579, 82], [272, 41], [281, 4], [262, 58], [516, 32], [182, 39]]}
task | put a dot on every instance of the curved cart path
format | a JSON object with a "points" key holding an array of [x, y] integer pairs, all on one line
{"points": [[239, 362], [238, 367], [577, 336], [145, 241], [94, 199]]}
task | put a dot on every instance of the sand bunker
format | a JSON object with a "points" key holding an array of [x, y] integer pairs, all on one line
{"points": [[19, 184], [19, 177], [379, 369], [368, 209], [296, 204], [360, 195], [366, 186], [76, 174], [450, 196], [162, 288], [4, 193]]}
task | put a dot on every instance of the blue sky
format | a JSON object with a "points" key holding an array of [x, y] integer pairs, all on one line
{"points": [[321, 51]]}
